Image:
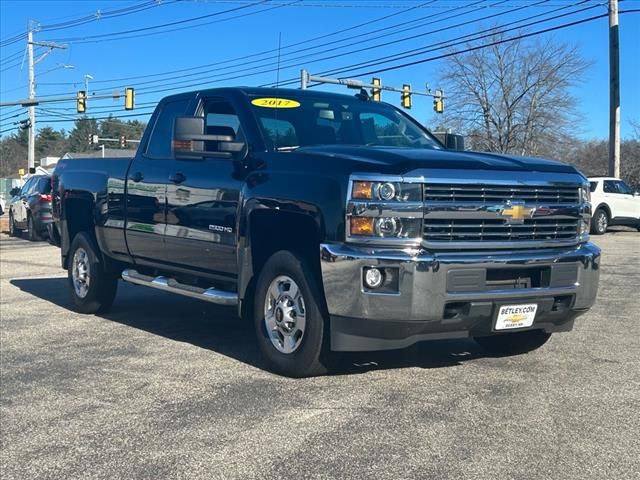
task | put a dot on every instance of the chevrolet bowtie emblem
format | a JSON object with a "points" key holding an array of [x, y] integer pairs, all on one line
{"points": [[516, 212]]}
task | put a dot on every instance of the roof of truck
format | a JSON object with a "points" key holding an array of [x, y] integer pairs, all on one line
{"points": [[266, 91]]}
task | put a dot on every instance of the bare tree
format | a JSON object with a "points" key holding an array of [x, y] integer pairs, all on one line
{"points": [[514, 97]]}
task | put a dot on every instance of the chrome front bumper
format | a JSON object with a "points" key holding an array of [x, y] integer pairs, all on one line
{"points": [[363, 320]]}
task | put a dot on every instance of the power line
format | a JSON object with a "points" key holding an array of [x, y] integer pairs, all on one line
{"points": [[491, 44], [98, 15], [244, 64], [466, 38], [253, 72], [85, 39]]}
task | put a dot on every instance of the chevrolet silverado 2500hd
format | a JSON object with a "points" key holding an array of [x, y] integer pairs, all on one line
{"points": [[334, 222]]}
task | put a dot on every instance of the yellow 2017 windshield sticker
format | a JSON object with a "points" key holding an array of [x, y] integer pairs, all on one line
{"points": [[275, 103]]}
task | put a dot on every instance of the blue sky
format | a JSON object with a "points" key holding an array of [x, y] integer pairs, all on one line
{"points": [[239, 47]]}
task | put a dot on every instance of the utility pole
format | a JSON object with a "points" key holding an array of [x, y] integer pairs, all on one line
{"points": [[614, 91], [31, 152], [31, 162]]}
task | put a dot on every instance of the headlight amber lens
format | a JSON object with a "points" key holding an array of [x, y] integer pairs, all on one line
{"points": [[361, 226], [362, 190]]}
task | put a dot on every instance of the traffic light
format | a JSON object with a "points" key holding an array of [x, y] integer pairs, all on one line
{"points": [[81, 102], [376, 93], [24, 124], [129, 98], [123, 141], [438, 102], [93, 139], [406, 96]]}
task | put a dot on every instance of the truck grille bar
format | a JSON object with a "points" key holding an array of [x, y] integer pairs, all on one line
{"points": [[496, 230], [557, 195]]}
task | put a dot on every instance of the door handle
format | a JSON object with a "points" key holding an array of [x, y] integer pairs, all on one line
{"points": [[177, 178], [137, 177]]}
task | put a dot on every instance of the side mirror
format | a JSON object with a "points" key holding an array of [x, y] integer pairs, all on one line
{"points": [[14, 191], [453, 141], [190, 140]]}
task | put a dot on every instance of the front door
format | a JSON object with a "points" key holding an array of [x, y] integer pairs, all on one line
{"points": [[202, 202], [147, 189]]}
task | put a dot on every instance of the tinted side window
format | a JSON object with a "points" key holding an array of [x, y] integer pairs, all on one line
{"points": [[623, 188], [593, 186], [44, 185], [221, 119], [160, 141], [27, 186], [609, 186]]}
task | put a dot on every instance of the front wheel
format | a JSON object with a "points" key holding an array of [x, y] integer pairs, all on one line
{"points": [[13, 230], [600, 222], [514, 343], [288, 317], [92, 288]]}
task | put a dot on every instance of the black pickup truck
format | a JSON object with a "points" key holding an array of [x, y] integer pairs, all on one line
{"points": [[335, 223]]}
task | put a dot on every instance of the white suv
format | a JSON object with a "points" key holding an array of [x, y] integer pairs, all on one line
{"points": [[614, 203]]}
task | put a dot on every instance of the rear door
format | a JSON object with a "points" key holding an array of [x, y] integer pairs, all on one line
{"points": [[629, 205], [147, 188], [612, 198], [202, 201]]}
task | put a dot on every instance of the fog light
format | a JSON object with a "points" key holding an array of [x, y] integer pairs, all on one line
{"points": [[373, 277]]}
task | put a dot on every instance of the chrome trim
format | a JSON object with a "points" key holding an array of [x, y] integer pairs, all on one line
{"points": [[478, 209], [423, 279], [212, 295]]}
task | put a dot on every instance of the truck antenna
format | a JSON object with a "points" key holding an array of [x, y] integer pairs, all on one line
{"points": [[278, 69]]}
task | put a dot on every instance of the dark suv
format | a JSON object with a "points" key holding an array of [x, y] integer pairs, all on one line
{"points": [[30, 207]]}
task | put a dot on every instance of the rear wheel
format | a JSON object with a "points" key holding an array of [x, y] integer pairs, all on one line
{"points": [[514, 343], [33, 234], [92, 288], [600, 222], [288, 317]]}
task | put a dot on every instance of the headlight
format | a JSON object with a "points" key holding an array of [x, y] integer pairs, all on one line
{"points": [[386, 191], [385, 227], [585, 222], [585, 194], [384, 211]]}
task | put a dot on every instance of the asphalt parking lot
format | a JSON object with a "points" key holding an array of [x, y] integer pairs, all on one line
{"points": [[169, 387]]}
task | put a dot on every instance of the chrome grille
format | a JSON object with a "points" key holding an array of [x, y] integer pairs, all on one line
{"points": [[496, 230], [481, 194], [500, 215]]}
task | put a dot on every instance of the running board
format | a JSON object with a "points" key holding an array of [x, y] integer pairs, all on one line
{"points": [[211, 295]]}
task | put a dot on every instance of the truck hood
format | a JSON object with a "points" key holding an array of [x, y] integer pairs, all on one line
{"points": [[401, 160]]}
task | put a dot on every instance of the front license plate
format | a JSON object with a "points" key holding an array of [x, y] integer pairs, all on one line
{"points": [[516, 316]]}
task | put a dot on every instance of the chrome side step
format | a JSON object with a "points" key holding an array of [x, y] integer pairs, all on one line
{"points": [[211, 295]]}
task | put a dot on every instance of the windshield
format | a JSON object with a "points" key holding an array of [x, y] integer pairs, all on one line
{"points": [[292, 121]]}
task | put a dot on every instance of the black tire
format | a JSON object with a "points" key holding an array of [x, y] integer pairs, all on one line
{"points": [[13, 230], [32, 233], [102, 286], [311, 356], [600, 222], [515, 343]]}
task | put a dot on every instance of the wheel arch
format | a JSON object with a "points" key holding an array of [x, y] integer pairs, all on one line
{"points": [[268, 230]]}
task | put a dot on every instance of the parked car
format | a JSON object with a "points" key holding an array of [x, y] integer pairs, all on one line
{"points": [[614, 203], [30, 208], [334, 223], [3, 206]]}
